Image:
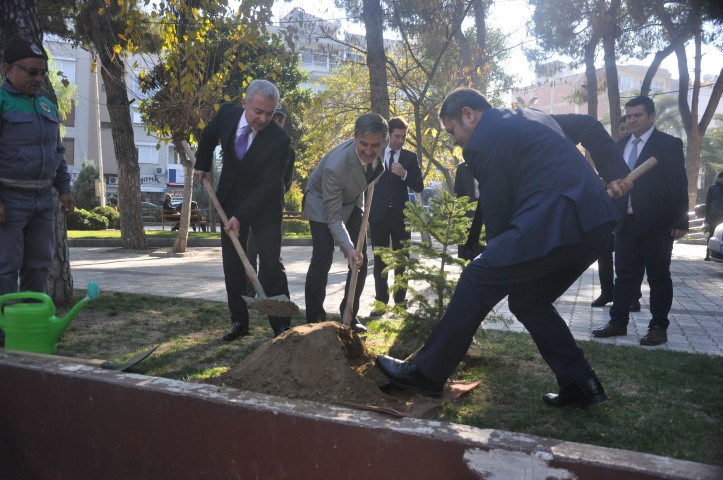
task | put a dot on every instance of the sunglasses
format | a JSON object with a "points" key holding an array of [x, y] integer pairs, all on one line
{"points": [[33, 72]]}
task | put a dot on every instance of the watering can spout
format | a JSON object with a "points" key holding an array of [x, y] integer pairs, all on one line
{"points": [[60, 324]]}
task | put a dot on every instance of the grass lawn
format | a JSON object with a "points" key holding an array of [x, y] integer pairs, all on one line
{"points": [[661, 402]]}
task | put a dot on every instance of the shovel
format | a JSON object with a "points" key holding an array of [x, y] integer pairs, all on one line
{"points": [[105, 364], [276, 306], [349, 310]]}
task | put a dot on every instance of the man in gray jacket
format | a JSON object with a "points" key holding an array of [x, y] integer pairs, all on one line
{"points": [[334, 204]]}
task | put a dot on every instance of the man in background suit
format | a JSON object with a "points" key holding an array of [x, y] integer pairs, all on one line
{"points": [[334, 206], [657, 215], [386, 219], [251, 192], [547, 217]]}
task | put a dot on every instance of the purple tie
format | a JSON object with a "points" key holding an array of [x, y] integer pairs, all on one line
{"points": [[242, 142]]}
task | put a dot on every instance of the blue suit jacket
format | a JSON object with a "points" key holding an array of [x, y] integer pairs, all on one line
{"points": [[537, 191], [660, 197]]}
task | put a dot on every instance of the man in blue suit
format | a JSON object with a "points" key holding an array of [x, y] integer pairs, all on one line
{"points": [[657, 215], [547, 217]]}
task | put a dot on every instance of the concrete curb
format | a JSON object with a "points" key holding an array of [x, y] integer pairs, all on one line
{"points": [[168, 242]]}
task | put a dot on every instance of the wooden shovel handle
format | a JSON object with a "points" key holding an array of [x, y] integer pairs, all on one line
{"points": [[250, 272], [349, 309], [639, 170]]}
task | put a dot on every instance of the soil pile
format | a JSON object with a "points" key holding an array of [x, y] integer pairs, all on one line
{"points": [[324, 362]]}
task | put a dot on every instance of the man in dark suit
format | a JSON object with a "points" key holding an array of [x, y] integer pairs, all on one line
{"points": [[657, 215], [386, 219], [334, 206], [547, 217], [251, 191]]}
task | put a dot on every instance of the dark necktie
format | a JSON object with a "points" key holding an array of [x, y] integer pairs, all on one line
{"points": [[370, 172], [391, 159], [242, 142]]}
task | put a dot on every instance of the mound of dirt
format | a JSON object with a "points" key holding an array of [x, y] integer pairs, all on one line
{"points": [[324, 362]]}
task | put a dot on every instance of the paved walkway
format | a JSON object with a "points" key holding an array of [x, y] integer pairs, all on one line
{"points": [[696, 316]]}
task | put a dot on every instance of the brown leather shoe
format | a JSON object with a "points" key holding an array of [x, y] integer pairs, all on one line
{"points": [[611, 329], [655, 336]]}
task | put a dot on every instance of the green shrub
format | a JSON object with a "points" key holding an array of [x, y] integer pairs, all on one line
{"points": [[84, 187], [296, 226], [111, 214], [84, 220], [292, 198]]}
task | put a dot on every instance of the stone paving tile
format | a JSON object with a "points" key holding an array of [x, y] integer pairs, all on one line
{"points": [[696, 318]]}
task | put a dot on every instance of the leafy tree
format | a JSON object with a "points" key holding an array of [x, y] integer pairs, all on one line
{"points": [[112, 30], [84, 188], [211, 55]]}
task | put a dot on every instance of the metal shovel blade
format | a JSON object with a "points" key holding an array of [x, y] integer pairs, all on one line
{"points": [[276, 306], [133, 361]]}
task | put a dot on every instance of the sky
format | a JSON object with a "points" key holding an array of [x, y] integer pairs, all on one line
{"points": [[510, 16]]}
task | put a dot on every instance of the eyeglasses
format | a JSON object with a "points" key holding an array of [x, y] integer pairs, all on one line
{"points": [[33, 72]]}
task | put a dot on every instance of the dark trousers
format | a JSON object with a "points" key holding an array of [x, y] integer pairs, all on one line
{"points": [[651, 250], [606, 272], [388, 231], [322, 256], [531, 288], [272, 276], [27, 241]]}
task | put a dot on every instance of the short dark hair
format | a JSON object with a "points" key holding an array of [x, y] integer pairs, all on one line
{"points": [[397, 123], [623, 119], [371, 123], [460, 98], [646, 102], [720, 175]]}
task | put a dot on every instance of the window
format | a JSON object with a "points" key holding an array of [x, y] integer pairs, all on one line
{"points": [[67, 67], [105, 126], [321, 61], [136, 117], [69, 144], [147, 153], [173, 156], [306, 58]]}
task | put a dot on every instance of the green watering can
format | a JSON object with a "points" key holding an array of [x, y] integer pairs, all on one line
{"points": [[33, 327]]}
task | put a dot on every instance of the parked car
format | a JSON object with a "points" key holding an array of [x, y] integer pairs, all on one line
{"points": [[151, 212], [715, 244]]}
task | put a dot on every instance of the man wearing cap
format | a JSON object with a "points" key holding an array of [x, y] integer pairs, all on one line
{"points": [[32, 161]]}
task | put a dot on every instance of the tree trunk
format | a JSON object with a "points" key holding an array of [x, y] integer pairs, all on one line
{"points": [[611, 69], [129, 180], [181, 243], [591, 77], [60, 278], [376, 57], [21, 17]]}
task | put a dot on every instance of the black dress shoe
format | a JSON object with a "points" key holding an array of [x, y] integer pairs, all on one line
{"points": [[635, 306], [236, 331], [611, 329], [602, 300], [377, 312], [357, 327], [655, 336], [279, 330], [579, 394], [407, 375]]}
